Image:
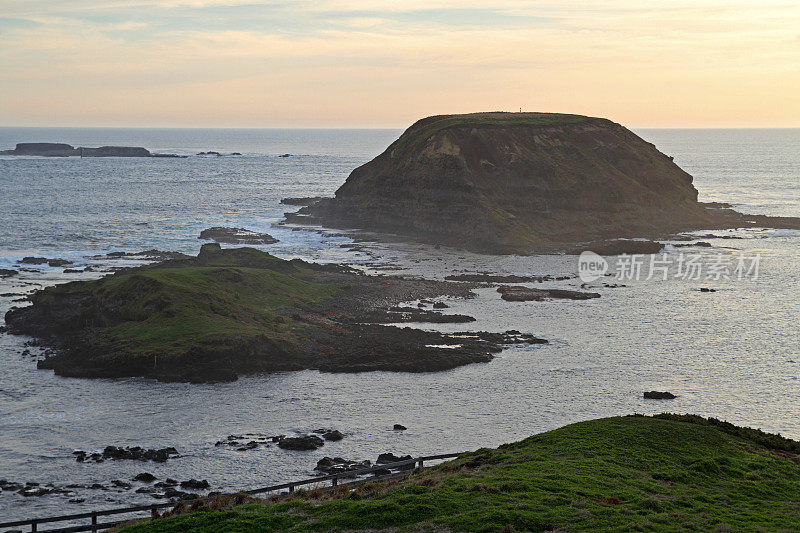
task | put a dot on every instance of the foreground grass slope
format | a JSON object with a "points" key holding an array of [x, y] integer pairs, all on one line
{"points": [[669, 473]]}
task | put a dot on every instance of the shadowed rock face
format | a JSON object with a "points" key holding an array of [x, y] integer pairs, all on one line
{"points": [[506, 182]]}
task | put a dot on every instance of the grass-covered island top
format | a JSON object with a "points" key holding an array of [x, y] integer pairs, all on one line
{"points": [[663, 473], [230, 311]]}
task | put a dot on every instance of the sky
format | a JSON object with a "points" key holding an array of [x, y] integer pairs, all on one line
{"points": [[370, 63]]}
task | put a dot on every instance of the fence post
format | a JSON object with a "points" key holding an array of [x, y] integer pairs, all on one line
{"points": [[94, 521], [421, 463], [335, 481], [33, 526], [291, 488]]}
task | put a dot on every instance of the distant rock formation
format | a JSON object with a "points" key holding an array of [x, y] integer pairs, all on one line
{"points": [[236, 236], [66, 150], [517, 183]]}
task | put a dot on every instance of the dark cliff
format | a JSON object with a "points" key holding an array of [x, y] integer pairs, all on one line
{"points": [[515, 182]]}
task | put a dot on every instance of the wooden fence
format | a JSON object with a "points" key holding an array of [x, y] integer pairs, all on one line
{"points": [[94, 517]]}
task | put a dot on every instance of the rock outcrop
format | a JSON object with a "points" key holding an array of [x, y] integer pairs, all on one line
{"points": [[520, 183], [231, 311], [515, 182]]}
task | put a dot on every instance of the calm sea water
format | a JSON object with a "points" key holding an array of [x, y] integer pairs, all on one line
{"points": [[733, 354]]}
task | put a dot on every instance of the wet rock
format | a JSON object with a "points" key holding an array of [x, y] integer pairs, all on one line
{"points": [[253, 441], [169, 482], [209, 153], [381, 472], [399, 427], [145, 477], [305, 442], [44, 260], [236, 236], [7, 272], [195, 484], [336, 465], [706, 289], [333, 435], [285, 155], [73, 271], [515, 293], [135, 453], [121, 484], [656, 395], [175, 493], [305, 200], [440, 305], [388, 458]]}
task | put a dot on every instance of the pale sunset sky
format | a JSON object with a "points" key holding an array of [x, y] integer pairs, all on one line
{"points": [[369, 63]]}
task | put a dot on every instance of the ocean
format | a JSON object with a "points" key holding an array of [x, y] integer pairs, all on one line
{"points": [[732, 354]]}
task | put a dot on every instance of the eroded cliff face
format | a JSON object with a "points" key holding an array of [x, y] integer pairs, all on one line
{"points": [[515, 182]]}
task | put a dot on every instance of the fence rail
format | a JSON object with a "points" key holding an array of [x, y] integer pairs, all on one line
{"points": [[95, 525]]}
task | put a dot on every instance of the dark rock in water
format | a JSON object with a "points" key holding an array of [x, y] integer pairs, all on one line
{"points": [[388, 458], [66, 150], [42, 149], [121, 484], [135, 453], [381, 472], [236, 236], [706, 289], [209, 153], [621, 246], [656, 395], [717, 205], [336, 465], [513, 293], [305, 442], [303, 200], [440, 305], [524, 181], [399, 427], [195, 484], [7, 272], [145, 477], [42, 260], [285, 155], [113, 151], [333, 435]]}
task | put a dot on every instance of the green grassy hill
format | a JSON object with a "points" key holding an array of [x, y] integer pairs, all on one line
{"points": [[669, 473]]}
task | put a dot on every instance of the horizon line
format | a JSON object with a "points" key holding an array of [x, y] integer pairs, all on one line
{"points": [[370, 127]]}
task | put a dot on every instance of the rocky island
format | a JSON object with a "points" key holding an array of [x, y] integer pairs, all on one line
{"points": [[66, 150], [230, 311], [521, 183]]}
